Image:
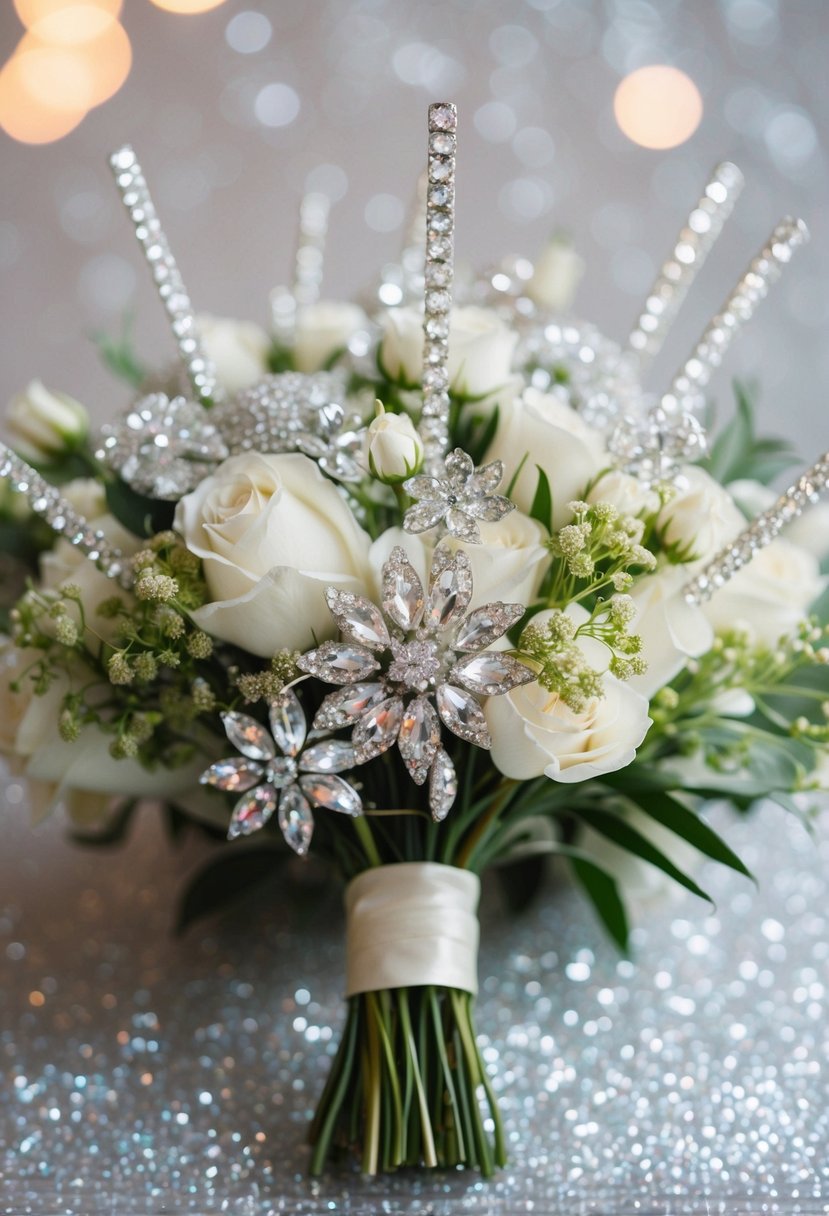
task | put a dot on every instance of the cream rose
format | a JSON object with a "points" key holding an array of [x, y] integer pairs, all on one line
{"points": [[771, 595], [480, 349], [237, 349], [394, 449], [510, 562], [322, 330], [624, 492], [534, 732], [701, 517], [541, 431], [272, 534], [42, 423], [671, 629], [557, 273]]}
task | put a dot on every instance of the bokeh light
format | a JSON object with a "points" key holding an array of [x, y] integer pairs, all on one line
{"points": [[658, 107], [32, 11], [187, 7], [25, 114]]}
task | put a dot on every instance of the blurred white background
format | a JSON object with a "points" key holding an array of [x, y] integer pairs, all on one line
{"points": [[235, 111]]}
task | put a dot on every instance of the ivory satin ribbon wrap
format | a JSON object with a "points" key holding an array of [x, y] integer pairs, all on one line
{"points": [[412, 923]]}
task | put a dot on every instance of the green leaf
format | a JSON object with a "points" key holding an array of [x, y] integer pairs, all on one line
{"points": [[542, 505], [118, 355], [678, 818], [227, 878], [621, 833], [603, 893], [739, 453], [139, 515]]}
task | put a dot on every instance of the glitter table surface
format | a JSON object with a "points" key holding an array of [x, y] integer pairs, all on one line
{"points": [[147, 1073]]}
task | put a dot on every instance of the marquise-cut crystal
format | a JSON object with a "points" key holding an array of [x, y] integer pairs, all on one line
{"points": [[346, 705], [252, 811], [419, 738], [248, 736], [377, 730], [358, 619], [485, 625], [450, 589], [295, 819], [403, 597], [331, 793], [330, 756], [443, 785], [339, 662], [463, 715], [287, 722], [235, 774], [491, 673]]}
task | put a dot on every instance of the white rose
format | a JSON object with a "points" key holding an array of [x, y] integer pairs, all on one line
{"points": [[510, 562], [671, 629], [534, 732], [809, 530], [771, 595], [394, 450], [71, 772], [272, 534], [42, 423], [324, 329], [480, 349], [542, 431], [237, 349], [556, 276], [701, 517], [624, 492]]}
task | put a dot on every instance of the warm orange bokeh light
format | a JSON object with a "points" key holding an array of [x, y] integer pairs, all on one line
{"points": [[52, 76], [32, 11], [26, 118], [73, 24], [187, 6], [658, 106]]}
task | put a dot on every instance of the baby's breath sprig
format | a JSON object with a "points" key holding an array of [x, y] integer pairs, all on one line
{"points": [[600, 552], [266, 684]]}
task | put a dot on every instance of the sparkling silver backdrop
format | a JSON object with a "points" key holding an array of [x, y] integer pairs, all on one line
{"points": [[234, 112]]}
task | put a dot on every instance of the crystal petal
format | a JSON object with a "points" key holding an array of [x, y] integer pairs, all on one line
{"points": [[249, 736], [491, 673], [346, 705], [330, 756], [459, 467], [234, 774], [252, 811], [485, 625], [443, 785], [424, 487], [358, 619], [488, 507], [338, 663], [463, 715], [377, 730], [424, 515], [287, 722], [419, 738], [403, 597], [487, 478], [450, 589], [295, 819], [463, 526], [332, 793]]}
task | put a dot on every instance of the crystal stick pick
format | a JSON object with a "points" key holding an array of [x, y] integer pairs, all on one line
{"points": [[760, 532], [46, 501], [402, 281], [694, 243], [438, 271], [135, 196], [685, 393], [308, 267]]}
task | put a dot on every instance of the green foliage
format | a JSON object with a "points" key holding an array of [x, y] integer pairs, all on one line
{"points": [[739, 453], [140, 515], [118, 353]]}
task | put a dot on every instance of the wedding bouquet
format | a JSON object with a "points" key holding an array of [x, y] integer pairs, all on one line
{"points": [[421, 587]]}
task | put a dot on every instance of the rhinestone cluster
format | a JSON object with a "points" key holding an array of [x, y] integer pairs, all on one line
{"points": [[162, 448], [277, 772], [47, 502], [694, 243], [760, 532], [438, 272], [422, 646], [686, 391], [294, 412], [135, 196], [457, 500]]}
